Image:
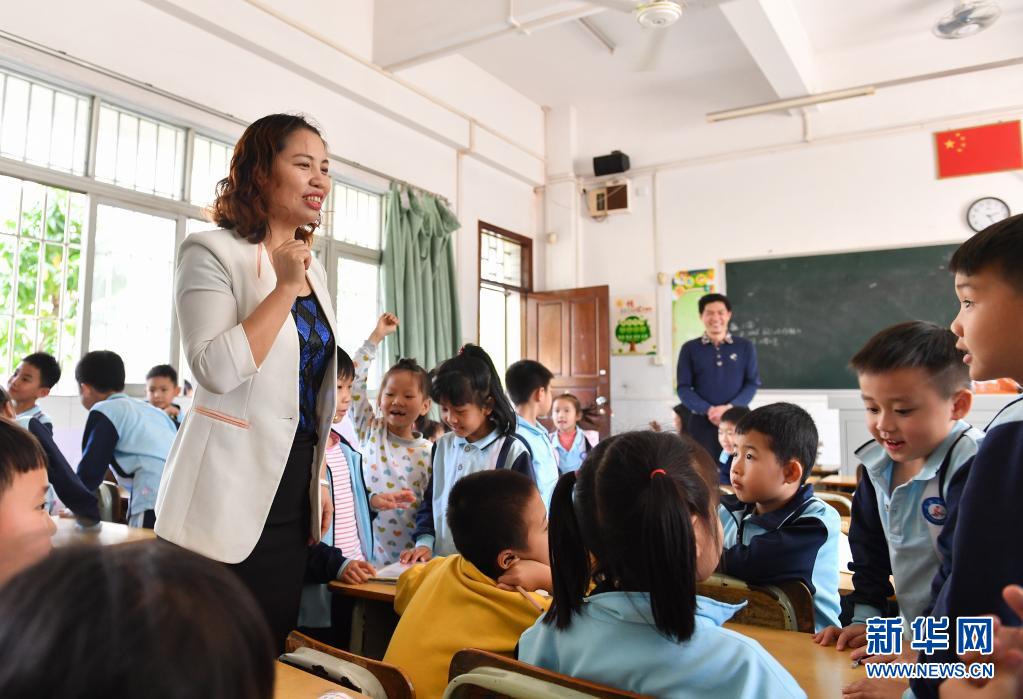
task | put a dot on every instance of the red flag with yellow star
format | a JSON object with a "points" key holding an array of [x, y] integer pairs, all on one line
{"points": [[991, 148]]}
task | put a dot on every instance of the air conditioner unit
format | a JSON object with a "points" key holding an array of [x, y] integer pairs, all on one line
{"points": [[612, 197]]}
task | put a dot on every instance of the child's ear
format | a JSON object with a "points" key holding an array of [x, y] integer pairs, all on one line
{"points": [[962, 401], [177, 392], [793, 471], [427, 404], [506, 559], [537, 395], [43, 391]]}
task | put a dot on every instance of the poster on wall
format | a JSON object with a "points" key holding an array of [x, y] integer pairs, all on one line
{"points": [[634, 326], [687, 287]]}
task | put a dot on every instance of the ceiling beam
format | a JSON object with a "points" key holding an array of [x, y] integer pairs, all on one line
{"points": [[773, 33]]}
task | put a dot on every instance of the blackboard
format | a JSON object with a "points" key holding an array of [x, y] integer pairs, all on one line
{"points": [[808, 315]]}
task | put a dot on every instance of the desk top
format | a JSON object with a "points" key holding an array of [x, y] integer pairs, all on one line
{"points": [[839, 482], [821, 671], [381, 592], [110, 533], [292, 683]]}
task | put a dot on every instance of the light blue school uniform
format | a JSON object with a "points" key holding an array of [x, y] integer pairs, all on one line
{"points": [[453, 458], [545, 463], [613, 641], [572, 458], [34, 412], [144, 438], [911, 516], [314, 610]]}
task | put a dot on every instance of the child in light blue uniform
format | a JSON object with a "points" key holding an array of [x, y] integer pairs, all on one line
{"points": [[472, 401], [131, 437], [915, 390], [571, 443], [529, 387], [643, 628], [775, 529]]}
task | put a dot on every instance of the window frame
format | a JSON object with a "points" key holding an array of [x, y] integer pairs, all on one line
{"points": [[526, 268], [101, 192]]}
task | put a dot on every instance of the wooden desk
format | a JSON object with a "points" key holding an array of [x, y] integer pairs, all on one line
{"points": [[845, 525], [111, 533], [821, 671], [373, 616], [845, 585], [292, 683], [838, 482]]}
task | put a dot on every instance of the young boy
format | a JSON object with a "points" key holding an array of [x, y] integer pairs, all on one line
{"points": [[25, 525], [726, 438], [33, 379], [474, 599], [915, 389], [985, 555], [774, 528], [130, 437], [344, 551], [529, 386], [161, 390]]}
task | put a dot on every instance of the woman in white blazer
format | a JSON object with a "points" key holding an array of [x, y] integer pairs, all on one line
{"points": [[241, 483]]}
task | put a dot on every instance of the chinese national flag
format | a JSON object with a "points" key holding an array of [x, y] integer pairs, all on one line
{"points": [[979, 149]]}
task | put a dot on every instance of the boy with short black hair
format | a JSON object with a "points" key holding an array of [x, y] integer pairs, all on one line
{"points": [[127, 435], [33, 379], [161, 390], [774, 528], [477, 598], [25, 525], [916, 390], [529, 386], [726, 438], [989, 284]]}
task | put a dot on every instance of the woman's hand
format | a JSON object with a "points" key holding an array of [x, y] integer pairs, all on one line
{"points": [[290, 261]]}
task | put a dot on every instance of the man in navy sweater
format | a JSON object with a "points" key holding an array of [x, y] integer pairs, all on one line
{"points": [[715, 372]]}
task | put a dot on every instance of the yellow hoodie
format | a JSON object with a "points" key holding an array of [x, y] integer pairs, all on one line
{"points": [[445, 606]]}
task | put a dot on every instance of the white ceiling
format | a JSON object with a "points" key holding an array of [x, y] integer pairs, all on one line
{"points": [[710, 60]]}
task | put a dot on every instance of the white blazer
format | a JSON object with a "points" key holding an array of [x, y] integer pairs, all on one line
{"points": [[229, 455]]}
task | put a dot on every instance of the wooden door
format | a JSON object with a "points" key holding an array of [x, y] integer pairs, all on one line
{"points": [[567, 331]]}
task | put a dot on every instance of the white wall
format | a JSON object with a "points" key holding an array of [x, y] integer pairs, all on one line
{"points": [[872, 192]]}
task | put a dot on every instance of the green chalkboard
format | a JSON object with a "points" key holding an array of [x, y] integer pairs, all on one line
{"points": [[808, 315]]}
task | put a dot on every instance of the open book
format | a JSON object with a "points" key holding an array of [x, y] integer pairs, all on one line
{"points": [[390, 573]]}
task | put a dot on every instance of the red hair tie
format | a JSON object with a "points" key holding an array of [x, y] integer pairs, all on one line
{"points": [[656, 471]]}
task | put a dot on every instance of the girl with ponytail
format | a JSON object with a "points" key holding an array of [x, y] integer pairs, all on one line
{"points": [[473, 404], [637, 523]]}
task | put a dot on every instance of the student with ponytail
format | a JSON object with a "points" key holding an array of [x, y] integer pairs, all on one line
{"points": [[638, 522], [473, 404]]}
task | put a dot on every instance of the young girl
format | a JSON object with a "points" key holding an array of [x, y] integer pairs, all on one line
{"points": [[396, 457], [482, 437], [638, 519], [570, 444]]}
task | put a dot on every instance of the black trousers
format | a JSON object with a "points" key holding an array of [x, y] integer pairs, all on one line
{"points": [[274, 570], [705, 433]]}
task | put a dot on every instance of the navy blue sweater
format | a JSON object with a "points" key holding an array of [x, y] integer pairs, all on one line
{"points": [[987, 553]]}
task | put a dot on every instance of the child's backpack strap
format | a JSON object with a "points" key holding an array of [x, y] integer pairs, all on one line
{"points": [[502, 456], [933, 506]]}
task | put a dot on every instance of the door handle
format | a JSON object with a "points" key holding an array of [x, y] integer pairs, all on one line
{"points": [[601, 401]]}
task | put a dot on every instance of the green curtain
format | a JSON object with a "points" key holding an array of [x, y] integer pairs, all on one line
{"points": [[419, 276]]}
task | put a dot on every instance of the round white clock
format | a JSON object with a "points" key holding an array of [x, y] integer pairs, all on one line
{"points": [[985, 211]]}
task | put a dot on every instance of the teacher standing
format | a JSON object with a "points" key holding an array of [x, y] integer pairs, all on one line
{"points": [[242, 485], [715, 372]]}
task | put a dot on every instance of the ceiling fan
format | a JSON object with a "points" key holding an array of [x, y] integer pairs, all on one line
{"points": [[655, 16], [968, 17]]}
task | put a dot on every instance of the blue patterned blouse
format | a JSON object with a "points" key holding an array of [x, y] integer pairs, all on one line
{"points": [[316, 343]]}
